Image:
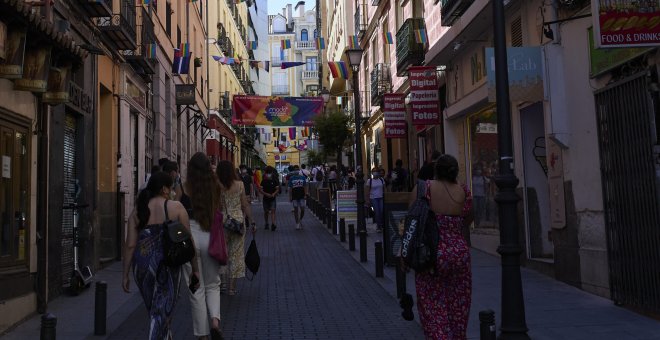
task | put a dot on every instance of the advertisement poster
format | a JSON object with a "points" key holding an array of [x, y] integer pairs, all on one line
{"points": [[12, 65], [346, 206], [626, 23], [424, 95], [525, 73], [276, 111], [57, 90], [394, 113], [35, 69]]}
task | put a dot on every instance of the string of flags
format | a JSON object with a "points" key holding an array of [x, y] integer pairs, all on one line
{"points": [[285, 137]]}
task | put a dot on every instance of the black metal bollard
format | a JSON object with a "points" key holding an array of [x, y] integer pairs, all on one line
{"points": [[48, 327], [328, 220], [379, 258], [363, 245], [333, 222], [342, 230], [100, 307], [400, 281], [351, 237], [487, 330]]}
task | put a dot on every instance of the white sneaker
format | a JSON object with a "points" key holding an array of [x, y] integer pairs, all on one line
{"points": [[297, 226]]}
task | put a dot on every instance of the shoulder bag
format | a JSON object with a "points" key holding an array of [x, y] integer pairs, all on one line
{"points": [[217, 243], [177, 242]]}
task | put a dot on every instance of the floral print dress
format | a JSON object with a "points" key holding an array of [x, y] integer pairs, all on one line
{"points": [[444, 295], [235, 241]]}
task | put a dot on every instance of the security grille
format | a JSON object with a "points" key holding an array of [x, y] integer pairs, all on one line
{"points": [[632, 218], [69, 196]]}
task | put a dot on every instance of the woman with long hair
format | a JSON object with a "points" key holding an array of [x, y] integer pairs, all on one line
{"points": [[236, 206], [444, 293], [143, 251], [203, 194]]}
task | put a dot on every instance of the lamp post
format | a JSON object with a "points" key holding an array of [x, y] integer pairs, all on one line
{"points": [[354, 58], [325, 94], [513, 306]]}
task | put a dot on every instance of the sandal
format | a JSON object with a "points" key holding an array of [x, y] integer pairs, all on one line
{"points": [[216, 334]]}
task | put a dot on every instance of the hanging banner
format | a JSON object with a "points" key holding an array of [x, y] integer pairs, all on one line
{"points": [[275, 111], [424, 96], [525, 73], [627, 23], [35, 69], [11, 67], [57, 91], [394, 114]]}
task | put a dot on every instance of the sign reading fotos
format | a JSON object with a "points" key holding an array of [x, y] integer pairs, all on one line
{"points": [[626, 23], [424, 95], [35, 69], [11, 67]]}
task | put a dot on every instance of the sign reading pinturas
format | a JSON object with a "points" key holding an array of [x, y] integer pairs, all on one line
{"points": [[394, 113], [628, 23], [424, 97]]}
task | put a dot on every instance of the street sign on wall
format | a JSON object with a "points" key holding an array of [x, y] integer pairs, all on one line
{"points": [[394, 113], [424, 95], [626, 23]]}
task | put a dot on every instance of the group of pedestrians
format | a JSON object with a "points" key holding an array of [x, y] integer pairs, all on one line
{"points": [[194, 203]]}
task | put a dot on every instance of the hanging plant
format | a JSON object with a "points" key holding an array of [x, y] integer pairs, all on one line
{"points": [[198, 62]]}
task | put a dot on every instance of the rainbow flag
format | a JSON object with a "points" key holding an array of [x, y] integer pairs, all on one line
{"points": [[184, 49], [338, 69], [305, 132], [420, 36], [286, 44], [320, 43], [144, 2], [151, 51], [387, 37], [251, 45], [353, 42], [292, 133]]}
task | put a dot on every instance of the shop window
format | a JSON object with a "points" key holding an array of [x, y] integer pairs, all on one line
{"points": [[483, 166], [15, 194], [303, 35]]}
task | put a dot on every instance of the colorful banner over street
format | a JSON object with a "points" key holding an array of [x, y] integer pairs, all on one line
{"points": [[424, 97], [275, 111], [626, 23], [394, 113]]}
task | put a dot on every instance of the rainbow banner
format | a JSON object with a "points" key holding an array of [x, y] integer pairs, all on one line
{"points": [[286, 44], [420, 36], [151, 51], [305, 132], [353, 42], [292, 133], [251, 45], [275, 111], [320, 43], [338, 69], [184, 49], [387, 37]]}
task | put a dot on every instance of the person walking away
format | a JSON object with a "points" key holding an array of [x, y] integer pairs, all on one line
{"points": [[236, 206], [269, 189], [332, 181], [143, 253], [297, 194], [318, 175], [444, 293], [398, 177], [172, 168], [305, 172], [247, 180], [375, 189], [258, 177], [201, 197]]}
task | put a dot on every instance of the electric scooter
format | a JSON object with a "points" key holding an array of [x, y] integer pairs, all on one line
{"points": [[81, 277]]}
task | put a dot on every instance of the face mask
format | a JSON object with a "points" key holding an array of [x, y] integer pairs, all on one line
{"points": [[375, 174]]}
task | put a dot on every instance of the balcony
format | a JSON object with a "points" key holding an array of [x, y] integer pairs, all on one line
{"points": [[97, 8], [279, 90], [310, 75], [361, 19], [237, 71], [305, 45], [408, 51], [143, 58], [452, 10], [381, 83], [120, 27]]}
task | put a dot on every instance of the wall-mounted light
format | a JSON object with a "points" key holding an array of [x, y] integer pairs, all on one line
{"points": [[548, 32]]}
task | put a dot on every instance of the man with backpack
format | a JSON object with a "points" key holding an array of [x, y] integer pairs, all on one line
{"points": [[398, 177], [318, 174], [375, 192]]}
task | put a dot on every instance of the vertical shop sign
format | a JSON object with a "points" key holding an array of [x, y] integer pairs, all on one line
{"points": [[11, 67], [394, 113], [35, 69], [424, 95]]}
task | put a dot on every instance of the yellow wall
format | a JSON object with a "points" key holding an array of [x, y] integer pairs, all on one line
{"points": [[107, 125]]}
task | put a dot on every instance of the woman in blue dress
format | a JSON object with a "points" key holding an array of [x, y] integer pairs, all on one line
{"points": [[143, 253]]}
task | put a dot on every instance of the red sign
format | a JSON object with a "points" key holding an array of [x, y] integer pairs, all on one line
{"points": [[394, 113], [626, 23], [424, 98]]}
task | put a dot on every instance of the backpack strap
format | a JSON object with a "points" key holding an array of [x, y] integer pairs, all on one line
{"points": [[167, 218], [421, 189]]}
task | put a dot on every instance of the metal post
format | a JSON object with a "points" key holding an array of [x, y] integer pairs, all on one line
{"points": [[359, 173], [363, 245], [351, 237], [100, 307], [487, 325], [333, 222], [342, 230], [512, 303], [379, 258], [48, 327]]}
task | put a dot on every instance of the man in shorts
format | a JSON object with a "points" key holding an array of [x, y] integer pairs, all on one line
{"points": [[297, 194], [269, 188]]}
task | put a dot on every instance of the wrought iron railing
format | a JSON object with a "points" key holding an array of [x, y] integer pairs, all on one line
{"points": [[361, 20], [381, 83], [409, 51], [451, 10]]}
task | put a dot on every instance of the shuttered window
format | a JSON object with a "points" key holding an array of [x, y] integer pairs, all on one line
{"points": [[516, 32]]}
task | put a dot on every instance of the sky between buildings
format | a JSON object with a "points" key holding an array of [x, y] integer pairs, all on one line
{"points": [[275, 6]]}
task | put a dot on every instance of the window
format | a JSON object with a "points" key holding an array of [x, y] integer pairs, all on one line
{"points": [[303, 35], [14, 194], [312, 64], [168, 18]]}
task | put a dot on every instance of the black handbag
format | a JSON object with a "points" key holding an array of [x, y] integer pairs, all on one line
{"points": [[233, 225], [177, 242], [252, 259]]}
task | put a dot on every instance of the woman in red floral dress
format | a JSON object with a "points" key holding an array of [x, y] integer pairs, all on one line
{"points": [[444, 294]]}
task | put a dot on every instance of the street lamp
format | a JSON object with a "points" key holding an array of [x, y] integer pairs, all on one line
{"points": [[512, 304], [325, 94], [354, 58]]}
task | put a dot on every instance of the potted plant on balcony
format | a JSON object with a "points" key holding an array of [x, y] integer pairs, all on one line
{"points": [[198, 62]]}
